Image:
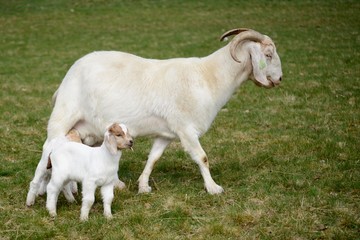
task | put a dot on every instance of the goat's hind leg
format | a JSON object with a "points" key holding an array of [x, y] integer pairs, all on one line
{"points": [[74, 187], [53, 190], [41, 173], [44, 182], [119, 184], [67, 191], [156, 151]]}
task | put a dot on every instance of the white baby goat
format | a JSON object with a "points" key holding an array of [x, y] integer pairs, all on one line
{"points": [[93, 166], [167, 99]]}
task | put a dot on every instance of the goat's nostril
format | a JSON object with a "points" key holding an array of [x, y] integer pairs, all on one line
{"points": [[131, 142], [280, 79]]}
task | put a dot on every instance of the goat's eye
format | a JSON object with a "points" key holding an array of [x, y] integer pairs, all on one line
{"points": [[268, 56]]}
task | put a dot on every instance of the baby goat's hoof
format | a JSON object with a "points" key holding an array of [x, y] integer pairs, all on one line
{"points": [[74, 188], [30, 200], [52, 214], [108, 216], [84, 218], [72, 201]]}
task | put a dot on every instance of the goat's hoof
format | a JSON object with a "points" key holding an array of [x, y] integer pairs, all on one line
{"points": [[119, 185], [72, 200], [52, 214], [74, 188], [144, 189], [41, 192], [30, 201], [84, 218], [29, 204], [215, 189], [108, 216]]}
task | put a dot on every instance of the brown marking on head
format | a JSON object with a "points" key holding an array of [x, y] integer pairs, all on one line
{"points": [[116, 130], [119, 136], [74, 136], [48, 166]]}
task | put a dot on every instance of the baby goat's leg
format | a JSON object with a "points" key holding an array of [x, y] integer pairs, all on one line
{"points": [[67, 190], [44, 183], [192, 145], [156, 151], [53, 190], [88, 200], [74, 187], [107, 193]]}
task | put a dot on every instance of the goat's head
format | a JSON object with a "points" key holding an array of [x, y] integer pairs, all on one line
{"points": [[117, 137], [265, 61]]}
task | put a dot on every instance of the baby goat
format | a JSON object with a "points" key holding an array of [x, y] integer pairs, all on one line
{"points": [[93, 166]]}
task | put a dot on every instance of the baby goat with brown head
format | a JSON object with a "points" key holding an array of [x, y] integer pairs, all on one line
{"points": [[92, 166]]}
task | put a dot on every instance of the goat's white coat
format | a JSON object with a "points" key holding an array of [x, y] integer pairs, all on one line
{"points": [[174, 98], [93, 166]]}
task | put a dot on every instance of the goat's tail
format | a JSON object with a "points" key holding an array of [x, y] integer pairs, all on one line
{"points": [[49, 165]]}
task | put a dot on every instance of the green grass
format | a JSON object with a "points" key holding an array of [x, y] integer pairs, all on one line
{"points": [[288, 157]]}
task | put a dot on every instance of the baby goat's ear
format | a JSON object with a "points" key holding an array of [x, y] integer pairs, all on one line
{"points": [[110, 143]]}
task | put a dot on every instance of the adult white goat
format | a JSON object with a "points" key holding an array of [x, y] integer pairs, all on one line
{"points": [[167, 99]]}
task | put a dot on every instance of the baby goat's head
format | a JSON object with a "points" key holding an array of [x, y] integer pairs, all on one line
{"points": [[117, 137], [266, 64]]}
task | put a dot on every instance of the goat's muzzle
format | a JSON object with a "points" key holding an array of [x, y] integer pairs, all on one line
{"points": [[131, 144]]}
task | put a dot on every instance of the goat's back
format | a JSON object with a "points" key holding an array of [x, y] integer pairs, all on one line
{"points": [[149, 96]]}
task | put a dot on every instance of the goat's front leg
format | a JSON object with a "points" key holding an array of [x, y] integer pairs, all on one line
{"points": [[156, 151], [191, 144], [88, 199], [107, 193]]}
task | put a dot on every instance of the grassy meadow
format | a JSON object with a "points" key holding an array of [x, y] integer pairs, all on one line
{"points": [[288, 158]]}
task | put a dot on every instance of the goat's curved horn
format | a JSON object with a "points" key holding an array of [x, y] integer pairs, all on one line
{"points": [[242, 34], [232, 32]]}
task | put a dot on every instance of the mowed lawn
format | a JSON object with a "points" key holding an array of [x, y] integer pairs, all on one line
{"points": [[288, 158]]}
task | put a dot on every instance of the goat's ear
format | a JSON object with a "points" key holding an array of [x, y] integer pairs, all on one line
{"points": [[110, 143], [258, 62]]}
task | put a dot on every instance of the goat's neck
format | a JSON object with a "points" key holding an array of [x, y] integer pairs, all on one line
{"points": [[109, 157], [224, 75]]}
